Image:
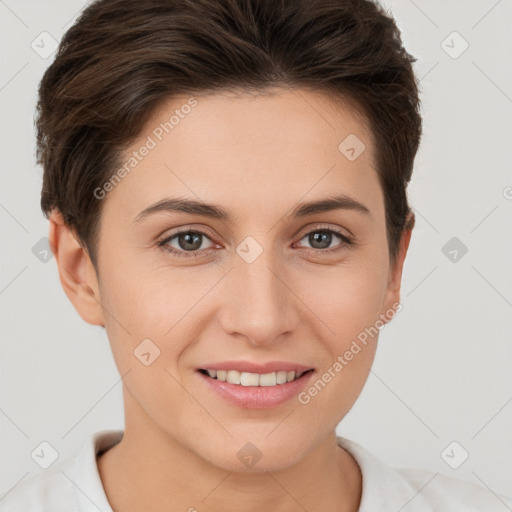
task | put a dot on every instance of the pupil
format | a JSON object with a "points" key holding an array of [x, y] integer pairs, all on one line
{"points": [[186, 243], [323, 236]]}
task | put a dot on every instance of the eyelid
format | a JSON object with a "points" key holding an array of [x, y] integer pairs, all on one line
{"points": [[346, 240], [327, 227], [164, 239]]}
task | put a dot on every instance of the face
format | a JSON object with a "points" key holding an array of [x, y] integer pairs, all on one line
{"points": [[268, 281]]}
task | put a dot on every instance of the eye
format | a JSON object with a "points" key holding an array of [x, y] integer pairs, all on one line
{"points": [[189, 243], [321, 239]]}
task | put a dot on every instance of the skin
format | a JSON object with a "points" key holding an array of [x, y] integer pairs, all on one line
{"points": [[257, 156]]}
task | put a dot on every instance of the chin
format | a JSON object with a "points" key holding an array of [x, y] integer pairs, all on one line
{"points": [[245, 456]]}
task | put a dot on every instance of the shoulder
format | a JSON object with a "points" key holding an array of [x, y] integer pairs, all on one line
{"points": [[386, 488], [47, 490], [71, 485], [453, 494]]}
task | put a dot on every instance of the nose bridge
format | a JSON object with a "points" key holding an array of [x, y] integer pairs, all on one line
{"points": [[260, 307]]}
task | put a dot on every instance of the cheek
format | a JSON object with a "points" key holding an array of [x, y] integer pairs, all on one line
{"points": [[347, 299], [350, 307], [154, 312], [149, 301], [347, 302], [145, 319]]}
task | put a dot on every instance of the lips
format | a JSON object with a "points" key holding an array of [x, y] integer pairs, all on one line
{"points": [[256, 397], [253, 367]]}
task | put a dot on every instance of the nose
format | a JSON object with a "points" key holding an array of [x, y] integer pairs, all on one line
{"points": [[260, 305]]}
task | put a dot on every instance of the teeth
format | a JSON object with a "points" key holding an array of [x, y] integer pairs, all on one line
{"points": [[281, 377], [254, 379], [268, 379], [248, 379], [233, 377]]}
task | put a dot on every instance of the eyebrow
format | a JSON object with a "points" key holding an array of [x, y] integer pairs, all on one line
{"points": [[194, 207]]}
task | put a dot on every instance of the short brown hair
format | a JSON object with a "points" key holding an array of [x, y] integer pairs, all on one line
{"points": [[123, 58]]}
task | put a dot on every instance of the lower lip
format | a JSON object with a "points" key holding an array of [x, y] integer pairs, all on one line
{"points": [[257, 397]]}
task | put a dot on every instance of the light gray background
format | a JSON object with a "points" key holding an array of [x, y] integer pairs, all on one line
{"points": [[442, 370]]}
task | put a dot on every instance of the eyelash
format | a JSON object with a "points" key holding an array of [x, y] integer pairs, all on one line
{"points": [[346, 242]]}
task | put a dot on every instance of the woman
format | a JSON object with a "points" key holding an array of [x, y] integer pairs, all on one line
{"points": [[226, 188]]}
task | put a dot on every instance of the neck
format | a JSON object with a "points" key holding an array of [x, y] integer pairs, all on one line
{"points": [[148, 462]]}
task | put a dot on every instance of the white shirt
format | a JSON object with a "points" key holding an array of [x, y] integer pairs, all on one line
{"points": [[74, 485]]}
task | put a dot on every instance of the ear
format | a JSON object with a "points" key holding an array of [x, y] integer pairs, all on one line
{"points": [[76, 271], [392, 297]]}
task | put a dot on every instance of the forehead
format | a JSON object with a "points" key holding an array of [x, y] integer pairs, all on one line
{"points": [[259, 148]]}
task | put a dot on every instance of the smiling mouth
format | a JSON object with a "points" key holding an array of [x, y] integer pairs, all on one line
{"points": [[254, 379]]}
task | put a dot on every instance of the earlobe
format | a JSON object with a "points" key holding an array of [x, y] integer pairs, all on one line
{"points": [[77, 274]]}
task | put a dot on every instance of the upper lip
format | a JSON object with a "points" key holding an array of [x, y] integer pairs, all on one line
{"points": [[261, 368]]}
